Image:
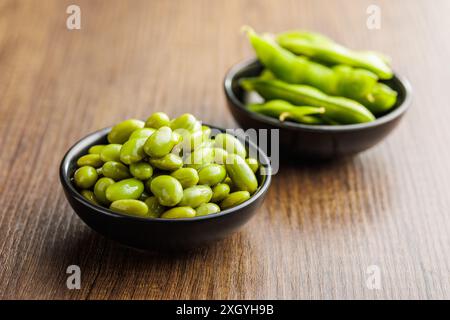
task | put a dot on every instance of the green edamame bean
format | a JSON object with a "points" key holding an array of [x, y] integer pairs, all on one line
{"points": [[220, 155], [155, 209], [160, 143], [141, 170], [111, 152], [132, 151], [340, 109], [253, 164], [169, 162], [284, 110], [187, 122], [92, 160], [115, 170], [230, 183], [220, 192], [120, 133], [142, 133], [130, 206], [324, 49], [179, 212], [167, 190], [100, 189], [89, 196], [200, 157], [206, 131], [97, 149], [230, 144], [207, 208], [158, 120], [188, 177], [193, 140], [212, 174], [125, 189], [195, 196], [100, 171], [234, 199], [85, 177], [241, 174]]}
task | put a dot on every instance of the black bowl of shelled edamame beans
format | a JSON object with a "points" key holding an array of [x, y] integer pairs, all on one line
{"points": [[211, 203], [317, 106]]}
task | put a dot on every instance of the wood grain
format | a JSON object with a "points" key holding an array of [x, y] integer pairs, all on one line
{"points": [[321, 226]]}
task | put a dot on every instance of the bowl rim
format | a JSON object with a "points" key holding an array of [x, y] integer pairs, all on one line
{"points": [[397, 112], [87, 141]]}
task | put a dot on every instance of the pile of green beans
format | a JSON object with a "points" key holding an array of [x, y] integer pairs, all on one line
{"points": [[165, 168], [311, 79]]}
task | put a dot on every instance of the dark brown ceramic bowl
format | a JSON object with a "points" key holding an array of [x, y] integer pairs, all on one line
{"points": [[158, 234], [314, 141]]}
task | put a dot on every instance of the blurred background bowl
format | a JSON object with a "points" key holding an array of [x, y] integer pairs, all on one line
{"points": [[314, 141]]}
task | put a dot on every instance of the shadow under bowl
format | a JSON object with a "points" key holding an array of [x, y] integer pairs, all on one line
{"points": [[314, 141], [157, 233]]}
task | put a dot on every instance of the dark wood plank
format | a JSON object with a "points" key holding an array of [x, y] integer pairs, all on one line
{"points": [[321, 226]]}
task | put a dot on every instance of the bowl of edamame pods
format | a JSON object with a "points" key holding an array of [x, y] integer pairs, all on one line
{"points": [[327, 100], [165, 184]]}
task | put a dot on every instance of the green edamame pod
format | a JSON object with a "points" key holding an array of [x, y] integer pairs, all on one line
{"points": [[241, 174], [122, 131], [188, 177], [207, 208], [142, 133], [169, 162], [284, 110], [230, 144], [115, 170], [212, 174], [381, 99], [132, 151], [195, 196], [155, 209], [89, 196], [342, 110], [340, 80], [220, 192], [92, 160], [157, 120], [97, 149], [141, 170], [111, 152], [167, 190], [294, 69], [324, 49], [100, 189], [131, 207], [85, 177], [125, 189], [234, 199], [179, 212], [160, 143]]}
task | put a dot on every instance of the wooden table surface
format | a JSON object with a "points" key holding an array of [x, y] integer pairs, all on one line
{"points": [[321, 227]]}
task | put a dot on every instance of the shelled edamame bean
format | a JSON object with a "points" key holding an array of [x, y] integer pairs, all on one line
{"points": [[167, 168]]}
